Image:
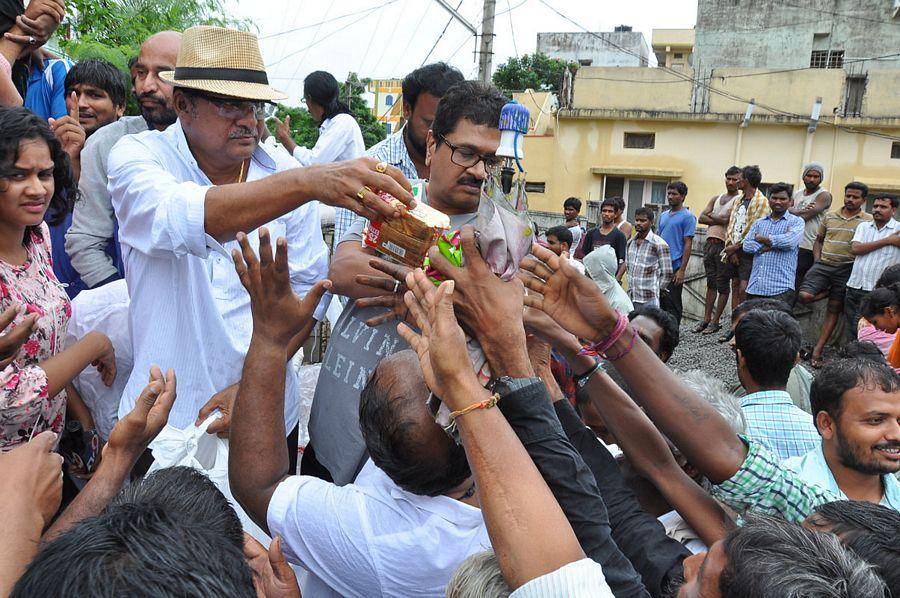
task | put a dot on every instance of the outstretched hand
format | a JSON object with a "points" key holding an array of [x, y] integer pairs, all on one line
{"points": [[278, 313], [395, 287], [352, 185], [133, 433], [441, 344], [572, 300], [272, 575]]}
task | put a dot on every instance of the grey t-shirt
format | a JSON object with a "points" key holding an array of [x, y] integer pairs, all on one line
{"points": [[354, 350]]}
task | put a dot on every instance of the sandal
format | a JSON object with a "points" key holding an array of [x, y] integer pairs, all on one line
{"points": [[713, 328], [700, 327], [727, 337]]}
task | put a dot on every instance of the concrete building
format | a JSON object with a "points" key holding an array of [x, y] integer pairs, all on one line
{"points": [[674, 48], [597, 49], [387, 105], [812, 33], [632, 137]]}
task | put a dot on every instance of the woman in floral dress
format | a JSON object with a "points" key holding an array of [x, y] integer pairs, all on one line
{"points": [[35, 175]]}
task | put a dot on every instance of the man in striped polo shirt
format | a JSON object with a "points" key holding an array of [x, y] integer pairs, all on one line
{"points": [[876, 245], [834, 257]]}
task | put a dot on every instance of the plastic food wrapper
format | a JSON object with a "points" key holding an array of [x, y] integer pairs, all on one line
{"points": [[408, 238], [504, 232]]}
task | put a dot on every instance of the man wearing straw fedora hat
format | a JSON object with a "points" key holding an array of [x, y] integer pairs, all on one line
{"points": [[182, 195]]}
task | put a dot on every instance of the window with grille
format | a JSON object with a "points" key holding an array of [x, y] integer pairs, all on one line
{"points": [[895, 150], [640, 140], [826, 59], [534, 187]]}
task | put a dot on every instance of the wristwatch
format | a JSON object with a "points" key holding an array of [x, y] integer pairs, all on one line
{"points": [[506, 385]]}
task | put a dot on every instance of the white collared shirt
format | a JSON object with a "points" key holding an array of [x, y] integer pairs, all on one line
{"points": [[339, 139], [867, 268], [372, 538], [188, 309]]}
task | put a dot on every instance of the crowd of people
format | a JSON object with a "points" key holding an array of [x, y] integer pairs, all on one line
{"points": [[161, 272]]}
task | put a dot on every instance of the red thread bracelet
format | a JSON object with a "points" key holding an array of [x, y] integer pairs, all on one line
{"points": [[625, 351], [599, 348]]}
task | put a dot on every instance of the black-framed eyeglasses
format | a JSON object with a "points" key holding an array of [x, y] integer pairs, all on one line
{"points": [[233, 109], [465, 157]]}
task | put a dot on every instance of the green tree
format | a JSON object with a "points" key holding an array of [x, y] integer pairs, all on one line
{"points": [[115, 29], [306, 130], [531, 71]]}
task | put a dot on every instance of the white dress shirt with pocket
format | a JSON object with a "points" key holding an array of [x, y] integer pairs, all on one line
{"points": [[372, 538], [189, 310]]}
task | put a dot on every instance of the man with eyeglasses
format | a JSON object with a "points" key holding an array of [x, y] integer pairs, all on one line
{"points": [[181, 196], [460, 149]]}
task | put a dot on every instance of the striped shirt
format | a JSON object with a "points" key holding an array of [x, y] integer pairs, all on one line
{"points": [[774, 420], [649, 267], [391, 150], [774, 269], [837, 233], [867, 268]]}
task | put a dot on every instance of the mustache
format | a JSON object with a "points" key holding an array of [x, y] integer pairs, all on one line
{"points": [[149, 96], [242, 132], [469, 180]]}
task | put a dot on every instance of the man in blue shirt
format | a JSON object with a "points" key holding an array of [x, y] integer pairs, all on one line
{"points": [[766, 345], [676, 226], [773, 241], [856, 405]]}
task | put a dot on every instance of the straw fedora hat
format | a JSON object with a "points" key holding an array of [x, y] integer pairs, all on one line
{"points": [[222, 61]]}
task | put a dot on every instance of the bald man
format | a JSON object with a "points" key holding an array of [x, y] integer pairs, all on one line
{"points": [[92, 241]]}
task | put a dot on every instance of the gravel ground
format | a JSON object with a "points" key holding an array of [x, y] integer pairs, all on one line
{"points": [[704, 352]]}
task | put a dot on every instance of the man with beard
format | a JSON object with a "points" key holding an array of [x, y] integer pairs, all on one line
{"points": [[810, 203], [461, 145], [856, 403], [833, 252], [422, 90], [92, 240]]}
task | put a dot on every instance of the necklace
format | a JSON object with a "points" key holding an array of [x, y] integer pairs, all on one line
{"points": [[242, 174]]}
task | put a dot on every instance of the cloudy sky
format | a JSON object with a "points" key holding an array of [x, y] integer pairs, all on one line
{"points": [[389, 38]]}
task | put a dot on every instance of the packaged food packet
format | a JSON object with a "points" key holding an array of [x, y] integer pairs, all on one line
{"points": [[408, 238]]}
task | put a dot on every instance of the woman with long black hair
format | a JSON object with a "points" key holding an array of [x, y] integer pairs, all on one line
{"points": [[36, 177], [339, 134]]}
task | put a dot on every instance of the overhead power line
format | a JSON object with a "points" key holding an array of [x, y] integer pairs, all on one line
{"points": [[717, 91]]}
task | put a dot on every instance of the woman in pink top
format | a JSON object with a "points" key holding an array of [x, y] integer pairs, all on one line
{"points": [[36, 176]]}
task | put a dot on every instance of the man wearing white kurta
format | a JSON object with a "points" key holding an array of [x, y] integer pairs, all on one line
{"points": [[182, 195]]}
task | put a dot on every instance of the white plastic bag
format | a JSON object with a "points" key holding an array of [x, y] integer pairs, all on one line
{"points": [[193, 447]]}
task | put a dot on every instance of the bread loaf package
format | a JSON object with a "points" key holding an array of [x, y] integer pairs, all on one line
{"points": [[408, 238]]}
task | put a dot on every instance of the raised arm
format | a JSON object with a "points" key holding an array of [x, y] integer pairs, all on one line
{"points": [[676, 410], [158, 213], [516, 503], [257, 462], [643, 445], [128, 440]]}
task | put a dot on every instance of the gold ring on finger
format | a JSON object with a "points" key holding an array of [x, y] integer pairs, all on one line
{"points": [[381, 167], [361, 194]]}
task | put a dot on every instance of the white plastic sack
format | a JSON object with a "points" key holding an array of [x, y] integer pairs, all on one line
{"points": [[193, 447]]}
